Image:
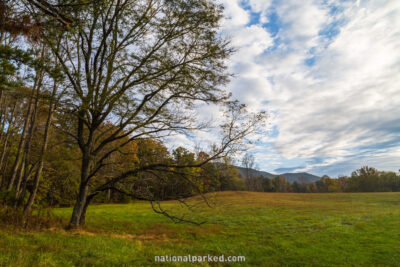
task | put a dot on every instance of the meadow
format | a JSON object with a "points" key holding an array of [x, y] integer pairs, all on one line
{"points": [[269, 229]]}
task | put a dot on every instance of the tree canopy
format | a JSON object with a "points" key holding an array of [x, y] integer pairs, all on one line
{"points": [[112, 79]]}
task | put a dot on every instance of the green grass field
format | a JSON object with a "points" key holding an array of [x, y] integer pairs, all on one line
{"points": [[268, 229]]}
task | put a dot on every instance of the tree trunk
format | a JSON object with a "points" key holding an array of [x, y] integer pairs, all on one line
{"points": [[83, 215], [24, 185], [83, 190], [86, 149], [108, 195], [20, 172], [5, 148], [3, 118], [28, 119], [39, 169], [26, 173], [32, 196], [17, 161], [79, 207]]}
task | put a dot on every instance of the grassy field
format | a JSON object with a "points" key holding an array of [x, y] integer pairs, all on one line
{"points": [[268, 229]]}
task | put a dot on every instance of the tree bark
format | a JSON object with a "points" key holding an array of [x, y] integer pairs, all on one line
{"points": [[39, 169], [83, 215], [5, 148], [108, 195], [19, 175], [3, 117], [80, 203], [17, 161], [26, 171], [79, 207], [32, 196]]}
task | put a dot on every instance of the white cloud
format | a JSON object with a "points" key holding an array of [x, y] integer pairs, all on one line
{"points": [[301, 22], [235, 15], [333, 115], [347, 101]]}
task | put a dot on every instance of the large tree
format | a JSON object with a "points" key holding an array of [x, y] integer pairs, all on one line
{"points": [[143, 66]]}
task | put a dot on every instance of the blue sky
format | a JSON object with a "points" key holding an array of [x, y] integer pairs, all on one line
{"points": [[328, 73]]}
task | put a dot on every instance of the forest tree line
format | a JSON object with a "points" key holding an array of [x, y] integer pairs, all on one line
{"points": [[365, 179]]}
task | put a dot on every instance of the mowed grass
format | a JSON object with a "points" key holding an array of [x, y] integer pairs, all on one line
{"points": [[269, 229]]}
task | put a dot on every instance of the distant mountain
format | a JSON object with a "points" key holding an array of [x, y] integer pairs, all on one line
{"points": [[253, 172], [291, 177]]}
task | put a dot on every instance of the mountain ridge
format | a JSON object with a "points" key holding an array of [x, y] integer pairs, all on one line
{"points": [[291, 177]]}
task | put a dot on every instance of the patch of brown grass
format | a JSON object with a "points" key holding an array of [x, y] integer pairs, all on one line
{"points": [[160, 234], [229, 199], [13, 219]]}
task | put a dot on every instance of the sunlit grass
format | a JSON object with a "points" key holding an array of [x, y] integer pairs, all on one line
{"points": [[269, 229]]}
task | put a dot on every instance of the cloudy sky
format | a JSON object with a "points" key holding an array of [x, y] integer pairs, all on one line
{"points": [[328, 73]]}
